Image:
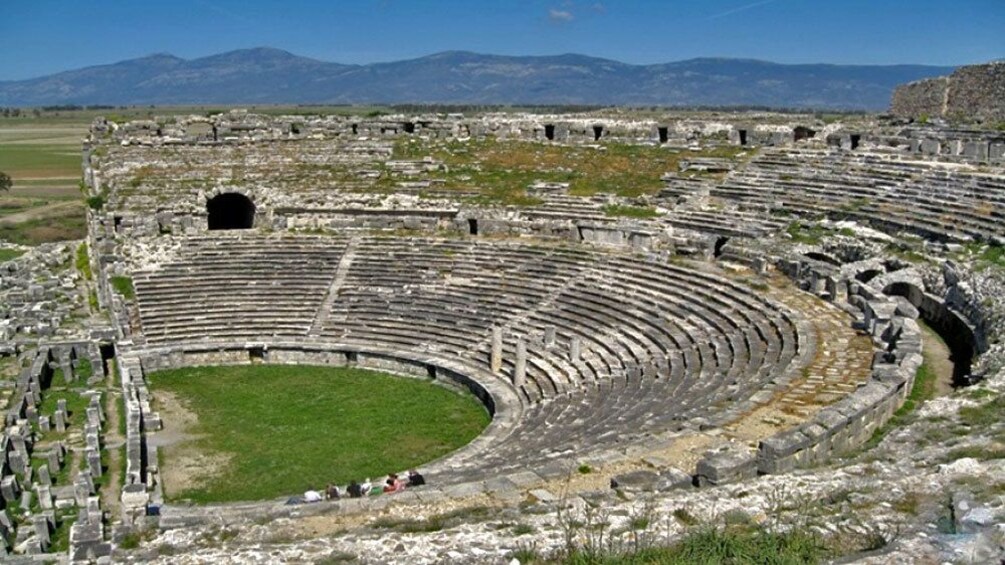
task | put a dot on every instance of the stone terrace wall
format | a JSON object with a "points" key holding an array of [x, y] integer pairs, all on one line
{"points": [[972, 92]]}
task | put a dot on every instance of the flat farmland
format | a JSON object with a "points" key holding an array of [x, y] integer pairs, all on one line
{"points": [[42, 157]]}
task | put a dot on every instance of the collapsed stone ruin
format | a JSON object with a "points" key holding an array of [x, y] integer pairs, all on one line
{"points": [[763, 321]]}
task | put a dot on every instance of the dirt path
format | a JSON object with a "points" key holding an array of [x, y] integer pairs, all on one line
{"points": [[39, 213], [113, 445], [186, 465], [938, 358]]}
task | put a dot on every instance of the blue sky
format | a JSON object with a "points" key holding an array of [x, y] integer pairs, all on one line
{"points": [[38, 37]]}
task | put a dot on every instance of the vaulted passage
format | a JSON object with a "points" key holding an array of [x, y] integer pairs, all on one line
{"points": [[549, 132], [230, 211], [802, 132], [950, 327]]}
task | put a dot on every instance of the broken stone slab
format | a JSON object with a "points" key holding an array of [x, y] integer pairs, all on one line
{"points": [[673, 478], [725, 465], [9, 489], [542, 495], [635, 481], [43, 476], [44, 497]]}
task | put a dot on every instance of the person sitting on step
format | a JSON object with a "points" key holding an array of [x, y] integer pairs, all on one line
{"points": [[312, 496], [415, 479], [332, 492], [354, 489]]}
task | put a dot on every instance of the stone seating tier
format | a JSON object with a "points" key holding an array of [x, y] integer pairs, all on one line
{"points": [[933, 199], [659, 344]]}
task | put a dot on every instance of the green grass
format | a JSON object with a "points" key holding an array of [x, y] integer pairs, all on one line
{"points": [[83, 263], [84, 368], [923, 389], [630, 211], [711, 545], [502, 170], [70, 224], [27, 160], [811, 235], [60, 539], [8, 254], [287, 428], [124, 286]]}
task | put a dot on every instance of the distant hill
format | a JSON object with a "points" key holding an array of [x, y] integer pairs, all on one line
{"points": [[272, 76]]}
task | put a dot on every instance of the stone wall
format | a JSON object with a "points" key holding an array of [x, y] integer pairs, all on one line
{"points": [[975, 92], [850, 422]]}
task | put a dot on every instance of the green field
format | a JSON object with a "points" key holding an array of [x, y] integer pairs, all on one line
{"points": [[502, 170], [42, 156], [281, 429]]}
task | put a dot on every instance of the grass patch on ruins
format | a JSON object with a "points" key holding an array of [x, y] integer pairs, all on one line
{"points": [[65, 225], [923, 389], [619, 211], [8, 254], [502, 170], [282, 429], [123, 286]]}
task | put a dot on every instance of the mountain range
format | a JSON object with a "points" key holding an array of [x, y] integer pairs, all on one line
{"points": [[272, 76]]}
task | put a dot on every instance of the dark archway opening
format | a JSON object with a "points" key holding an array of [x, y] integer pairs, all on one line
{"points": [[719, 244], [855, 140], [950, 327], [743, 136], [866, 276], [597, 132], [107, 351], [802, 132], [230, 211], [409, 127], [473, 226], [549, 132], [664, 133], [355, 129], [216, 134], [817, 256]]}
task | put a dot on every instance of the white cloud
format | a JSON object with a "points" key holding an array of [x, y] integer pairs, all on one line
{"points": [[741, 9], [560, 16]]}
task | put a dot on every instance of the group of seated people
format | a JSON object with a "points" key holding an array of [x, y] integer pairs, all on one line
{"points": [[392, 484]]}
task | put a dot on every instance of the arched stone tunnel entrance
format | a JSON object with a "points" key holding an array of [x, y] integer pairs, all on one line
{"points": [[230, 211]]}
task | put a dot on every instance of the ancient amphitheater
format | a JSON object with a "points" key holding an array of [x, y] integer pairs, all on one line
{"points": [[730, 341]]}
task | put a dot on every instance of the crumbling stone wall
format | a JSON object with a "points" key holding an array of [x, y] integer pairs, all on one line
{"points": [[973, 92]]}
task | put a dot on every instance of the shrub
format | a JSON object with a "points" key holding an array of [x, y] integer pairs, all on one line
{"points": [[124, 286], [83, 262]]}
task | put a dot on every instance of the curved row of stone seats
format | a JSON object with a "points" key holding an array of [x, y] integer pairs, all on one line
{"points": [[934, 199], [658, 344], [445, 296], [559, 207], [234, 286], [438, 296], [732, 223]]}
